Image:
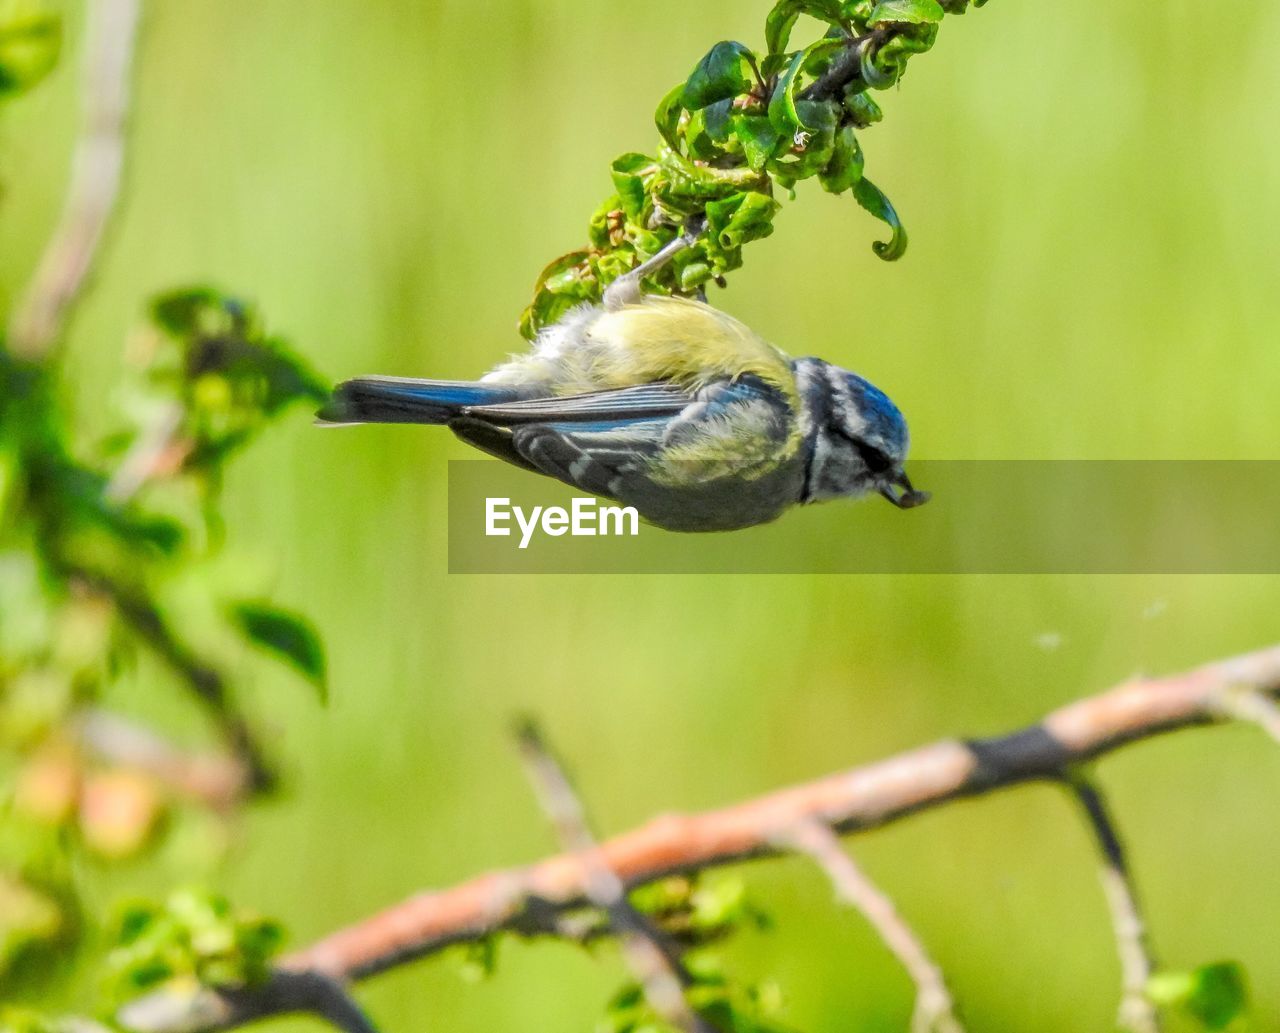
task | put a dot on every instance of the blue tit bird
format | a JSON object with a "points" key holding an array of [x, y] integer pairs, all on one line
{"points": [[668, 405]]}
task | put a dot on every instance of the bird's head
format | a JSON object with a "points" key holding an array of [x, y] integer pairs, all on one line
{"points": [[858, 438]]}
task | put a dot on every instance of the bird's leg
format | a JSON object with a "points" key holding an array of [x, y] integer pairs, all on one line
{"points": [[625, 290]]}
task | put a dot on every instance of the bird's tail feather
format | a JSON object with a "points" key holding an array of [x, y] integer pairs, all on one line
{"points": [[403, 400]]}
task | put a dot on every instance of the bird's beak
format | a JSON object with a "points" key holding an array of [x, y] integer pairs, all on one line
{"points": [[909, 498]]}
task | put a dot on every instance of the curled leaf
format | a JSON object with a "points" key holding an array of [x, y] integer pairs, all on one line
{"points": [[629, 180], [870, 197], [742, 218], [667, 116], [779, 23], [911, 12], [845, 167], [782, 19], [783, 111]]}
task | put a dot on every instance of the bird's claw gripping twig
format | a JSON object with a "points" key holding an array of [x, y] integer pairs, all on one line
{"points": [[625, 290]]}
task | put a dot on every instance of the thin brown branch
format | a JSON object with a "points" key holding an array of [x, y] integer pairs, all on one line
{"points": [[156, 451], [215, 780], [1137, 1013], [935, 1009], [288, 993], [652, 958], [41, 316], [1249, 705], [852, 801]]}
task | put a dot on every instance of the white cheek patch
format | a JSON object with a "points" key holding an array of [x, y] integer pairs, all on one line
{"points": [[847, 416], [819, 463]]}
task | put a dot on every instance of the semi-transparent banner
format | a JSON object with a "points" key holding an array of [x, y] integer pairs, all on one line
{"points": [[1001, 517]]}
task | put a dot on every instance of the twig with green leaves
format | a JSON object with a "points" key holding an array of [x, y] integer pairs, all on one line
{"points": [[660, 865], [745, 126]]}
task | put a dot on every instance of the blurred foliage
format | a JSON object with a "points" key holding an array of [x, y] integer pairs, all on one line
{"points": [[194, 939], [89, 553], [723, 1003], [96, 538], [695, 912], [30, 40], [1215, 996], [743, 125]]}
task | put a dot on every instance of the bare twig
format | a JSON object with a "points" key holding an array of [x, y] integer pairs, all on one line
{"points": [[1137, 1013], [156, 451], [287, 993], [935, 1009], [41, 316], [652, 958], [850, 801], [216, 780], [1246, 704]]}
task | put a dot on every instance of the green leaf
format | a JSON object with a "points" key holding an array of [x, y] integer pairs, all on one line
{"points": [[709, 133], [29, 48], [667, 117], [28, 919], [737, 220], [845, 167], [195, 937], [782, 19], [724, 73], [783, 112], [629, 180], [870, 197], [913, 12], [1215, 995], [286, 634], [862, 109], [187, 311], [758, 137], [779, 23], [693, 275], [683, 187]]}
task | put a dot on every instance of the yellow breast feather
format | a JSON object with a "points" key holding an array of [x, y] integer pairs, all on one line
{"points": [[684, 341]]}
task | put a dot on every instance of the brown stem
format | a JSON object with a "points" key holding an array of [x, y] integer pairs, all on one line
{"points": [[935, 1009], [1137, 1012], [218, 781], [653, 959], [40, 318]]}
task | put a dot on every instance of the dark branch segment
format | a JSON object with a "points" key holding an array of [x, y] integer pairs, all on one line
{"points": [[1137, 1013]]}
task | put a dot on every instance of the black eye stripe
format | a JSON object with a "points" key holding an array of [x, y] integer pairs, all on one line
{"points": [[876, 460]]}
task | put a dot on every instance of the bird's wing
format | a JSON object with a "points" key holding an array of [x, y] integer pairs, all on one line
{"points": [[608, 441], [597, 457], [587, 440], [629, 403]]}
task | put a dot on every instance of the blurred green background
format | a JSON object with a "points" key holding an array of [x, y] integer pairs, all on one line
{"points": [[1093, 196]]}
